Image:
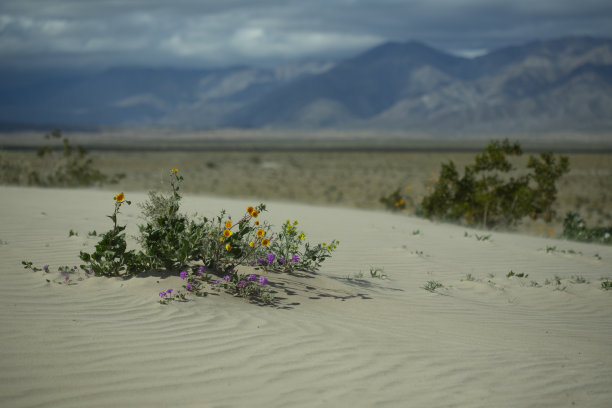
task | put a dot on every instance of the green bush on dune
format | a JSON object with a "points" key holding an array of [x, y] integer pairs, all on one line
{"points": [[488, 195]]}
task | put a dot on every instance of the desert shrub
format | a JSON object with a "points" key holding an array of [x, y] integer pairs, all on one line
{"points": [[69, 167], [174, 241], [169, 239], [575, 228], [487, 195]]}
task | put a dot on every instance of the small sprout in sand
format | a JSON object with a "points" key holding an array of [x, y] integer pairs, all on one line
{"points": [[431, 286], [483, 237], [469, 278], [579, 279], [518, 275], [606, 284], [377, 273]]}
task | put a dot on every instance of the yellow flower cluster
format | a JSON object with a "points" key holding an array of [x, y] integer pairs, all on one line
{"points": [[252, 212]]}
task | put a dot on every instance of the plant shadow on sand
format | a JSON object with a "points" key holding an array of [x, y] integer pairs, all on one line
{"points": [[293, 289]]}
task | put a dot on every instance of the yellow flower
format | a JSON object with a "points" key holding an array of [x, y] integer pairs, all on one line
{"points": [[228, 224], [221, 239], [174, 170], [227, 233], [120, 198], [265, 242], [295, 223], [302, 236], [228, 247], [256, 222], [251, 244], [254, 213], [250, 209], [260, 232]]}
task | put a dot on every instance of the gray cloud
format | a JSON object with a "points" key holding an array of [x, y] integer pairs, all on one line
{"points": [[229, 32]]}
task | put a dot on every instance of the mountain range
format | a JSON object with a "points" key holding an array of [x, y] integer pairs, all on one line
{"points": [[542, 86]]}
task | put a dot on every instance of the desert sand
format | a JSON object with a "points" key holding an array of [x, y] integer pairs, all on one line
{"points": [[336, 338]]}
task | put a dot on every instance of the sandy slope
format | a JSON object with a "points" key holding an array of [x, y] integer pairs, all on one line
{"points": [[334, 339]]}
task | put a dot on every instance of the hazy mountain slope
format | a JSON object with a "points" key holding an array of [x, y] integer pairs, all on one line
{"points": [[562, 84]]}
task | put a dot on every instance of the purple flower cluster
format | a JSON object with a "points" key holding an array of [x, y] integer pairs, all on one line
{"points": [[270, 258], [201, 271], [164, 293], [183, 275]]}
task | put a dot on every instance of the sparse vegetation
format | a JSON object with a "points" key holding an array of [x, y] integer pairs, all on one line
{"points": [[68, 166], [432, 286]]}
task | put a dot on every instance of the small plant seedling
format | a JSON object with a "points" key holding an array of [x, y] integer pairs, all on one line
{"points": [[534, 284], [597, 257], [482, 237], [416, 232], [518, 275], [606, 285], [469, 278], [431, 286], [30, 265], [92, 233], [579, 279], [73, 233], [358, 275], [377, 273]]}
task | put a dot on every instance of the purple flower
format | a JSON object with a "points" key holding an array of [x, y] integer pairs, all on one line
{"points": [[281, 260], [74, 267], [169, 291], [252, 277], [201, 270], [263, 281], [162, 294], [183, 275], [67, 278], [295, 258], [271, 258], [91, 271], [46, 268], [189, 287], [261, 261], [226, 278], [252, 263], [242, 284], [217, 282]]}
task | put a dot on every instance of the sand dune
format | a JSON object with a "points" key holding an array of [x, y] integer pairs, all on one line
{"points": [[335, 338]]}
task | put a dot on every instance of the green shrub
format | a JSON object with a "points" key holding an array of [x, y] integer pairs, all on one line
{"points": [[487, 196], [575, 228]]}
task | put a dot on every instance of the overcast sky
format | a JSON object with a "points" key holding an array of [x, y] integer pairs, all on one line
{"points": [[212, 33]]}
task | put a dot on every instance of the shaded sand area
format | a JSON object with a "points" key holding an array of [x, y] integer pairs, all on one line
{"points": [[334, 338]]}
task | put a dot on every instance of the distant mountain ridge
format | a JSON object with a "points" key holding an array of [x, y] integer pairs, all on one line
{"points": [[542, 86]]}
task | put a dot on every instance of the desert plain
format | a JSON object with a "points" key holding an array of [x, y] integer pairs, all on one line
{"points": [[336, 337]]}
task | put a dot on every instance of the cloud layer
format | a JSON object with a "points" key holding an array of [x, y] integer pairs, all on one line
{"points": [[230, 32]]}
